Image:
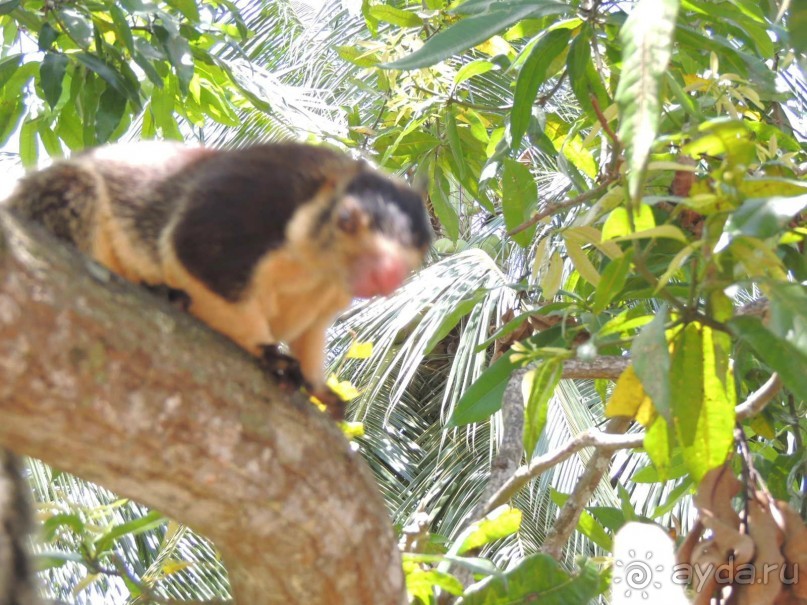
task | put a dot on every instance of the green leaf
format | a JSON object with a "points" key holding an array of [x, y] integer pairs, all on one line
{"points": [[476, 7], [78, 26], [651, 361], [122, 27], [788, 313], [612, 281], [658, 441], [441, 203], [47, 36], [647, 38], [566, 140], [519, 197], [537, 579], [797, 25], [49, 140], [51, 76], [458, 311], [217, 107], [500, 523], [584, 78], [8, 5], [358, 56], [702, 411], [618, 223], [542, 382], [764, 218], [135, 527], [107, 72], [484, 396], [396, 16], [587, 524], [474, 68], [52, 525], [455, 144], [179, 54], [461, 36], [188, 8], [768, 186], [29, 146], [111, 107], [530, 77], [8, 67], [777, 353]]}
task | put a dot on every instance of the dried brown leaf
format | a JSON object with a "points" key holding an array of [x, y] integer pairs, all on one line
{"points": [[715, 492], [684, 554]]}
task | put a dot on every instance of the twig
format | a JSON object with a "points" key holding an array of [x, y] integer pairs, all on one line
{"points": [[604, 366], [511, 449], [607, 443], [542, 100], [603, 442], [569, 514], [554, 208], [604, 123]]}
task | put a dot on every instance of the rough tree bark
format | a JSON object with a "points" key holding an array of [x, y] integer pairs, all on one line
{"points": [[102, 381]]}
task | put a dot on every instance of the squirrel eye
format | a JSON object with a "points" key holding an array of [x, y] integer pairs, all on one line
{"points": [[350, 219]]}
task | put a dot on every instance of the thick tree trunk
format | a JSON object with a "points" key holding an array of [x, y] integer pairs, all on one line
{"points": [[99, 379]]}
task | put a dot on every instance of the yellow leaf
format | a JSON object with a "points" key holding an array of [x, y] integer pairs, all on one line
{"points": [[630, 400], [580, 261], [550, 282], [360, 350], [591, 235], [343, 388], [495, 46], [351, 430], [666, 231], [694, 82], [540, 256], [172, 566]]}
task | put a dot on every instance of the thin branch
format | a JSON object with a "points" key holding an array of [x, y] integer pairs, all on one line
{"points": [[556, 207], [544, 98], [604, 123], [606, 443], [604, 366], [570, 512]]}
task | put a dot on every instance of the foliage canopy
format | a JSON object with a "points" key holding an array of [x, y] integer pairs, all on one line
{"points": [[608, 181]]}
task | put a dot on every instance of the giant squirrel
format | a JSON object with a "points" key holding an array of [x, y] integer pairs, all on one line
{"points": [[269, 242]]}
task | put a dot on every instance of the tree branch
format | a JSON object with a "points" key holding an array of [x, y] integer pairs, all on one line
{"points": [[556, 207], [103, 381], [607, 443]]}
